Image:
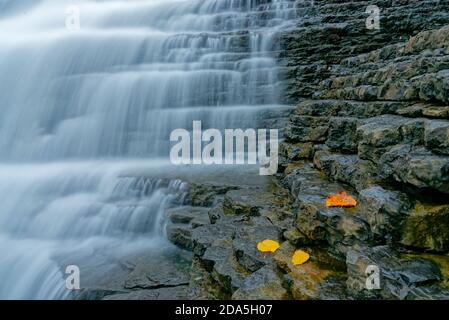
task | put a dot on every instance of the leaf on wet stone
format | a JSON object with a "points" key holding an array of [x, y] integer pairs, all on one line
{"points": [[300, 257], [268, 246], [340, 199]]}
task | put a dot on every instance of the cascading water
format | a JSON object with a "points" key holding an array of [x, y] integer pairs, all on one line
{"points": [[81, 109]]}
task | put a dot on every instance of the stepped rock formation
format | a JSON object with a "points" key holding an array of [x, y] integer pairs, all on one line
{"points": [[377, 126], [372, 120]]}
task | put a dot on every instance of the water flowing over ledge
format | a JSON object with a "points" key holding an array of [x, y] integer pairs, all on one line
{"points": [[114, 90]]}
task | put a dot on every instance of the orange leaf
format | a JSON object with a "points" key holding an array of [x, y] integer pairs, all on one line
{"points": [[340, 199], [300, 257], [268, 246]]}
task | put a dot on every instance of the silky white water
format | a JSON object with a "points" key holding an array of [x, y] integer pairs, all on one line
{"points": [[85, 111]]}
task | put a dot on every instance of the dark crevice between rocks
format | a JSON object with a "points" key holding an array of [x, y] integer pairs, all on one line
{"points": [[421, 194], [160, 286]]}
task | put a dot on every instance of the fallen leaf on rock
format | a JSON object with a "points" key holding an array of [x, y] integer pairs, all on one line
{"points": [[268, 246], [300, 257], [340, 199]]}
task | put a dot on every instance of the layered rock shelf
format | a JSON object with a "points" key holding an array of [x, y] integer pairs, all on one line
{"points": [[374, 123]]}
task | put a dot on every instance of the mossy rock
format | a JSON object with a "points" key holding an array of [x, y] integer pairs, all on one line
{"points": [[427, 228]]}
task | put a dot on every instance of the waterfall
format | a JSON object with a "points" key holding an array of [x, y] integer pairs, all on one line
{"points": [[83, 109]]}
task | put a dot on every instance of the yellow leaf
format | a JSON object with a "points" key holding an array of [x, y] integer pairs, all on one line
{"points": [[268, 246], [300, 257]]}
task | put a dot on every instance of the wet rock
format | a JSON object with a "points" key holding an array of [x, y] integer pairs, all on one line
{"points": [[346, 108], [305, 281], [264, 284], [348, 169], [250, 202], [436, 112], [248, 256], [216, 213], [412, 132], [378, 135], [342, 134], [220, 261], [425, 110], [399, 278], [380, 131], [281, 217], [433, 86], [176, 293], [245, 243], [413, 111], [295, 151], [231, 257], [427, 228], [297, 178], [437, 136], [183, 220], [203, 237], [186, 214], [309, 224], [325, 161], [385, 211], [435, 292], [375, 116], [357, 262], [95, 293], [428, 39], [418, 168], [419, 272], [306, 183], [226, 249], [295, 237], [333, 288], [306, 129], [202, 286], [205, 194], [156, 273], [318, 108], [340, 228], [180, 235], [140, 276]]}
